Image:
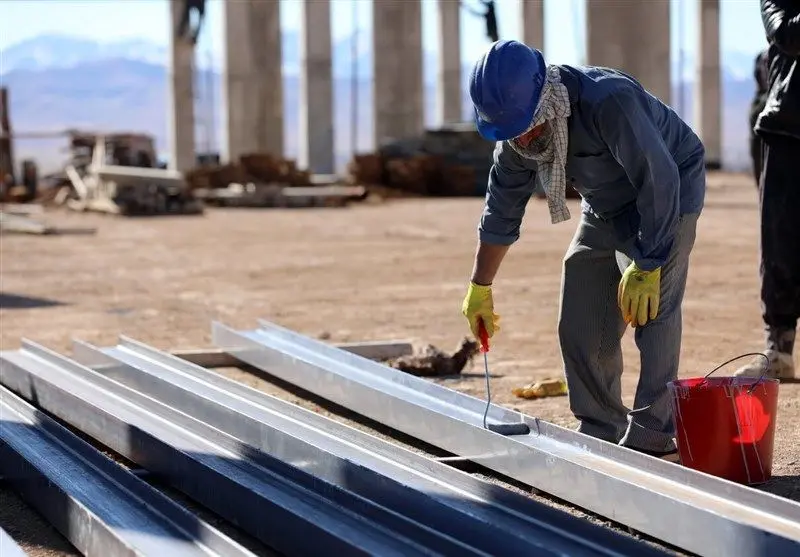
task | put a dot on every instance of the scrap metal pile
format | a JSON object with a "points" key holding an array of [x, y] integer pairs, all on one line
{"points": [[304, 484], [265, 180]]}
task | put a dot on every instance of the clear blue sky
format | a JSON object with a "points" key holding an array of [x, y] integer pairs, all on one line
{"points": [[109, 20]]}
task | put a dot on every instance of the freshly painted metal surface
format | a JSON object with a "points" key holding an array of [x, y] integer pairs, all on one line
{"points": [[100, 507], [682, 507], [487, 517], [284, 506]]}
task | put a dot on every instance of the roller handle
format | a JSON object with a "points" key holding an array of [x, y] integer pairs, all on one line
{"points": [[483, 335]]}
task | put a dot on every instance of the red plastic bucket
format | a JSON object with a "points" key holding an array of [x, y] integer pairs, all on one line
{"points": [[725, 426]]}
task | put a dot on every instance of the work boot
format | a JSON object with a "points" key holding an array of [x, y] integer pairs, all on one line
{"points": [[779, 363]]}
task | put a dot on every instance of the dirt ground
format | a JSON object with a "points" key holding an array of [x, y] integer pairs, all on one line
{"points": [[371, 271]]}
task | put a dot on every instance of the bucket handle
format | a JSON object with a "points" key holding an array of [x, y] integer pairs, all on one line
{"points": [[723, 364]]}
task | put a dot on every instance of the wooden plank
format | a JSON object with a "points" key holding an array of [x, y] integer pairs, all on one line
{"points": [[374, 350]]}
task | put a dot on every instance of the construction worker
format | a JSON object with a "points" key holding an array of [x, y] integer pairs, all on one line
{"points": [[640, 171], [760, 74], [778, 127], [489, 15], [184, 26]]}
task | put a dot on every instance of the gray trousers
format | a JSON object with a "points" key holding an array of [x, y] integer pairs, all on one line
{"points": [[590, 329]]}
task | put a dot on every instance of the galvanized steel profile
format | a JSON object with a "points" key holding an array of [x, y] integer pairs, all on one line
{"points": [[281, 505], [694, 511], [481, 517], [283, 474], [100, 507]]}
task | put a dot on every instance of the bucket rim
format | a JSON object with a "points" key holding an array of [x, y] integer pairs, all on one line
{"points": [[699, 384], [744, 380]]}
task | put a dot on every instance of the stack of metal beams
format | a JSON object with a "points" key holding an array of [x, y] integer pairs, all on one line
{"points": [[304, 484]]}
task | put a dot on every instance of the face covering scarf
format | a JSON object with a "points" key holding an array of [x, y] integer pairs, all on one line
{"points": [[549, 150]]}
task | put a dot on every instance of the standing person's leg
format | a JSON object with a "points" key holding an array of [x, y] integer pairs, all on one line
{"points": [[650, 427], [755, 156], [590, 328], [779, 202]]}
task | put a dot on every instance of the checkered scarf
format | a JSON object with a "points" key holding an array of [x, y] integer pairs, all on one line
{"points": [[553, 107]]}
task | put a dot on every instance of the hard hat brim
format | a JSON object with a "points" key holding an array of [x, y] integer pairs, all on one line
{"points": [[494, 132]]}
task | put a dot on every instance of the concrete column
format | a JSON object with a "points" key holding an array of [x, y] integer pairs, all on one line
{"points": [[707, 84], [448, 91], [532, 15], [180, 95], [316, 88], [397, 69], [253, 89], [632, 36], [239, 137]]}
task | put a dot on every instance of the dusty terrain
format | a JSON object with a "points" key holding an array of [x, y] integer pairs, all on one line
{"points": [[371, 271]]}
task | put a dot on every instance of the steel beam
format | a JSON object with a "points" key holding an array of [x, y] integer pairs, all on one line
{"points": [[374, 350], [8, 547], [694, 511], [284, 506], [100, 507], [487, 517]]}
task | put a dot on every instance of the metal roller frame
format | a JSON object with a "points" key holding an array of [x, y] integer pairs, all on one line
{"points": [[487, 517], [103, 509], [8, 547], [685, 508]]}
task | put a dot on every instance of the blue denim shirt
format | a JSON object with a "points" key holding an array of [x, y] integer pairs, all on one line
{"points": [[634, 162]]}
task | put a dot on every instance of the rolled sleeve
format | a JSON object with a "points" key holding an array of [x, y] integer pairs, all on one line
{"points": [[511, 184], [627, 128]]}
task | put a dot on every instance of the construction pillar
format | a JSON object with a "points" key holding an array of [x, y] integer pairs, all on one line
{"points": [[448, 91], [316, 152], [7, 171], [253, 89], [632, 36], [533, 23], [397, 69], [707, 84], [180, 94]]}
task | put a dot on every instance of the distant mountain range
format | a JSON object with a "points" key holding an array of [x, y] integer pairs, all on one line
{"points": [[58, 81]]}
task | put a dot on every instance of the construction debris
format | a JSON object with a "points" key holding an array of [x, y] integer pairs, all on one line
{"points": [[116, 173], [264, 180], [17, 223], [22, 224], [542, 389], [450, 161], [258, 168], [22, 208], [430, 361]]}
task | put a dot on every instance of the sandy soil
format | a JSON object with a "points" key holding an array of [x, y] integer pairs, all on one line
{"points": [[385, 271]]}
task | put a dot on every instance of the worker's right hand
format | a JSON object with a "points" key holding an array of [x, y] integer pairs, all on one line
{"points": [[478, 305]]}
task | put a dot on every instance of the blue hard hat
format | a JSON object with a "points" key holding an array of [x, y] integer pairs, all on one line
{"points": [[505, 86]]}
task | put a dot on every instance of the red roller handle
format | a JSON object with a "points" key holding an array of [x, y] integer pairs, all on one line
{"points": [[483, 335]]}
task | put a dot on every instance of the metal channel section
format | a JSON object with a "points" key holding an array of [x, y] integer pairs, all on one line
{"points": [[284, 506], [99, 506], [486, 517], [8, 547], [694, 511]]}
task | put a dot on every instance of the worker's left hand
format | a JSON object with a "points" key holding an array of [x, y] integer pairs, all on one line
{"points": [[639, 294]]}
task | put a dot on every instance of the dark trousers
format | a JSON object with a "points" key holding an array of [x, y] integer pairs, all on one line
{"points": [[779, 201], [755, 155]]}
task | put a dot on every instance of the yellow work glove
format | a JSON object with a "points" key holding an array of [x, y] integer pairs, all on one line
{"points": [[639, 294], [477, 305]]}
